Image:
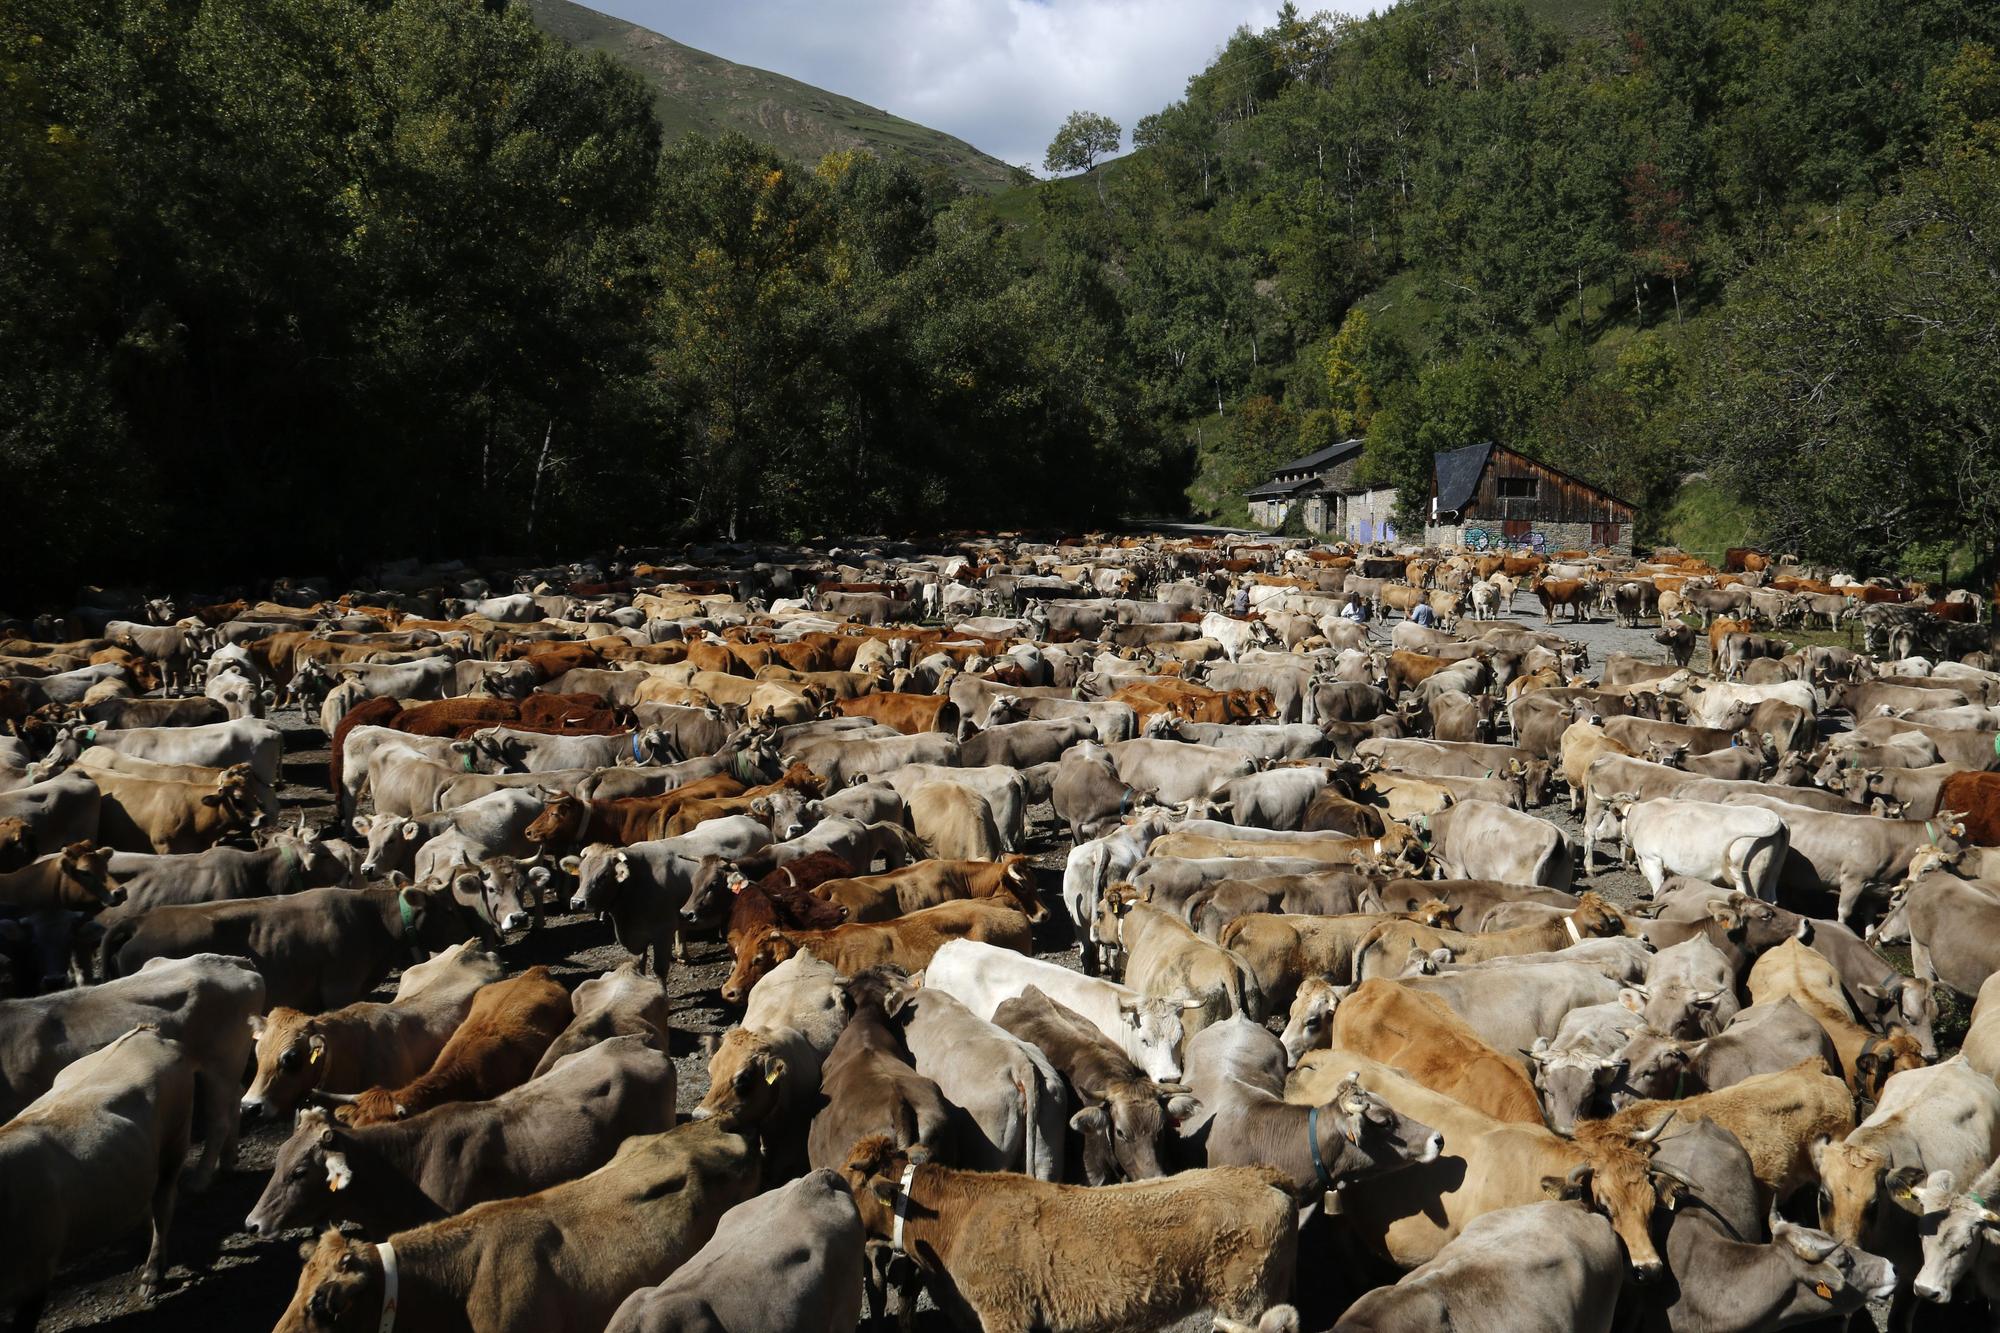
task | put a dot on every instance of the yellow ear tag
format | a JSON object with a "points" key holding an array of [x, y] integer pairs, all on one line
{"points": [[1821, 1290], [770, 1076], [313, 1058]]}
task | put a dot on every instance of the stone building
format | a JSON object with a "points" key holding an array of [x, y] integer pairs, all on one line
{"points": [[1322, 487], [1486, 496]]}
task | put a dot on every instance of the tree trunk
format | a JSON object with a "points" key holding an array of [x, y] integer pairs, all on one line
{"points": [[535, 494], [1580, 331], [1675, 283]]}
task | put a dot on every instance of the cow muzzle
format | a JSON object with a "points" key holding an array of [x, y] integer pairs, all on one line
{"points": [[514, 921], [1650, 1271], [1433, 1149], [579, 902], [251, 1110]]}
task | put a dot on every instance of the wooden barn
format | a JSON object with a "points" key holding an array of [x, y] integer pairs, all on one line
{"points": [[1486, 496]]}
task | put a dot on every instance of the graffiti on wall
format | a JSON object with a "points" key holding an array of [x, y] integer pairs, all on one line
{"points": [[1482, 539]]}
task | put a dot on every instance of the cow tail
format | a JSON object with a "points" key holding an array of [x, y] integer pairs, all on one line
{"points": [[1031, 1105], [108, 948]]}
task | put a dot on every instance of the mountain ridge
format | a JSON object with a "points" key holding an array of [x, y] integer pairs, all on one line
{"points": [[698, 92]]}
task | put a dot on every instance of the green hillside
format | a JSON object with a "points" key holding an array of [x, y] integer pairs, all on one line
{"points": [[695, 92]]}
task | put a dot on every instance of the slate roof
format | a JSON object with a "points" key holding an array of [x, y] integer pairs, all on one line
{"points": [[1458, 476], [1320, 458], [1274, 489]]}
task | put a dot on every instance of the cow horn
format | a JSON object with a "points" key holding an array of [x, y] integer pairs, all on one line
{"points": [[334, 1098], [1649, 1135]]}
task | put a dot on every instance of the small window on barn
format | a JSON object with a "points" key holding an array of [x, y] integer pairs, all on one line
{"points": [[1519, 488]]}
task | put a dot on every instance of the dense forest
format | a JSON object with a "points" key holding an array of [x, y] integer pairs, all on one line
{"points": [[296, 283]]}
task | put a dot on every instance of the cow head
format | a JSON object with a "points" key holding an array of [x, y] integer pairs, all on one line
{"points": [[1853, 1181], [1956, 1229], [1017, 879], [392, 842], [1906, 1002], [602, 873], [1572, 1083], [1378, 1137], [1594, 918], [561, 822], [1618, 1178], [291, 1060], [83, 879], [341, 1286], [235, 799], [19, 843], [755, 962], [1882, 1057], [746, 1081], [1311, 1022], [312, 1165]]}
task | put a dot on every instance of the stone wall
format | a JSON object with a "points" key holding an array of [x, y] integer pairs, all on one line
{"points": [[1542, 538]]}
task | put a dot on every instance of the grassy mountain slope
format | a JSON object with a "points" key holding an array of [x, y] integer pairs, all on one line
{"points": [[704, 94]]}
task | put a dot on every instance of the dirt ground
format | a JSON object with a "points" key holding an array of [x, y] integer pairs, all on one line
{"points": [[219, 1275]]}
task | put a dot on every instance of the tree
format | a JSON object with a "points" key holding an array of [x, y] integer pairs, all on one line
{"points": [[1083, 138]]}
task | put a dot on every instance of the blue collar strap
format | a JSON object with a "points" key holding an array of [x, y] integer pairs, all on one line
{"points": [[637, 758], [1312, 1142]]}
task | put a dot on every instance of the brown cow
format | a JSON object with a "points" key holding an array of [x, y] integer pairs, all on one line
{"points": [[911, 714], [1420, 1035], [75, 879], [1556, 594], [907, 942], [496, 1048], [1776, 1117], [570, 821], [1976, 798], [869, 1084], [366, 1043], [924, 884]]}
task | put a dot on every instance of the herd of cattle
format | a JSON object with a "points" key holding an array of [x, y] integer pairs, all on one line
{"points": [[1352, 1044]]}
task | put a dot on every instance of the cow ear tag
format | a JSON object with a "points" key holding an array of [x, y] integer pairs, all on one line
{"points": [[313, 1058], [1821, 1290], [771, 1075]]}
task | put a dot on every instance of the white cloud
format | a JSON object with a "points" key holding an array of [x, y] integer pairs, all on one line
{"points": [[1000, 74]]}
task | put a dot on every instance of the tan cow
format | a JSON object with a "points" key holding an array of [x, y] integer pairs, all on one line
{"points": [[956, 822], [559, 1261], [91, 1160], [907, 942], [1282, 949], [1867, 1059], [924, 884], [1486, 1165], [1018, 1254], [1388, 947], [1776, 1117], [1163, 956], [140, 815]]}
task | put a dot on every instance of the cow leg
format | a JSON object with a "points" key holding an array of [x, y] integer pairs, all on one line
{"points": [[1921, 964], [1850, 894], [221, 1110], [153, 1274]]}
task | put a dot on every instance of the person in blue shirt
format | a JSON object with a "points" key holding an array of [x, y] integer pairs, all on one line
{"points": [[1240, 604], [1355, 610], [1423, 615]]}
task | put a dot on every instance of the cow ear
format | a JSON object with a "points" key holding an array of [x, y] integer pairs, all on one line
{"points": [[1904, 1182], [362, 823], [1090, 1118]]}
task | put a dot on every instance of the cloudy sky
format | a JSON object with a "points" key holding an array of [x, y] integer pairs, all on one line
{"points": [[1000, 74]]}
